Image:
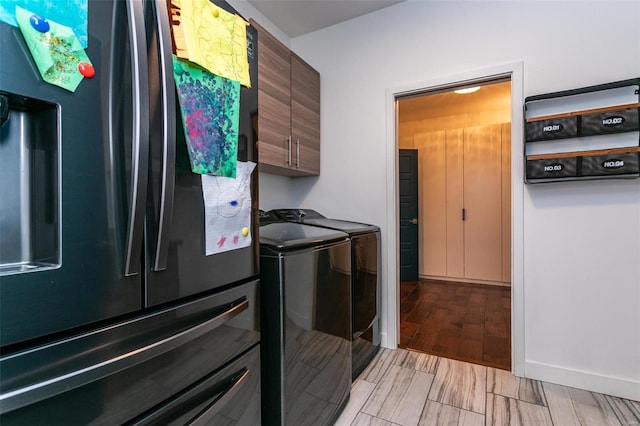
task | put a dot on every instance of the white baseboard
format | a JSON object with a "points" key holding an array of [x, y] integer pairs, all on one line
{"points": [[614, 386], [384, 342], [465, 280]]}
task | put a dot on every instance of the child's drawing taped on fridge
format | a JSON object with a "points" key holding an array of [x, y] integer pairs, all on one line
{"points": [[227, 204]]}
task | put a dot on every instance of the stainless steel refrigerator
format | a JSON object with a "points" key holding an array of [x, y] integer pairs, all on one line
{"points": [[110, 311]]}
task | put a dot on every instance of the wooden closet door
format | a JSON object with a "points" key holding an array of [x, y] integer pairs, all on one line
{"points": [[483, 202], [432, 198], [455, 203]]}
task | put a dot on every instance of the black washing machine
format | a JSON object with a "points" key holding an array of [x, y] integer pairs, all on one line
{"points": [[305, 323], [365, 279]]}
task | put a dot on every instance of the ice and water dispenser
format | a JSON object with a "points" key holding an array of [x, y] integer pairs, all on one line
{"points": [[30, 188]]}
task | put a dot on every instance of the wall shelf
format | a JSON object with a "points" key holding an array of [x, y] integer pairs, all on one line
{"points": [[583, 134], [584, 153], [584, 112]]}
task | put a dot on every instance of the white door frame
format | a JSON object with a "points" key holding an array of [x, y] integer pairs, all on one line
{"points": [[391, 292]]}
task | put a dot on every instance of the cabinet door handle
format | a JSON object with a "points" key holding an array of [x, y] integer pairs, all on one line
{"points": [[289, 144], [297, 153], [464, 214]]}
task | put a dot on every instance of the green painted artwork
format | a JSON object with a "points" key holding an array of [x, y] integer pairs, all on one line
{"points": [[56, 50], [72, 13], [210, 115]]}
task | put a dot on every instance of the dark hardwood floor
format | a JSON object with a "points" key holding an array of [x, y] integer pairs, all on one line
{"points": [[467, 322]]}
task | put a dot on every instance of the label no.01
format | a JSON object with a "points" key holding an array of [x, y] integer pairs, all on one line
{"points": [[552, 128]]}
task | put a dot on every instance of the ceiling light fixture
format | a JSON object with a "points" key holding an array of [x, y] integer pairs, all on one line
{"points": [[467, 90]]}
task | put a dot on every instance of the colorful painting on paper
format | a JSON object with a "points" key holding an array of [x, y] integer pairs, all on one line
{"points": [[70, 13], [56, 51], [210, 113], [213, 38]]}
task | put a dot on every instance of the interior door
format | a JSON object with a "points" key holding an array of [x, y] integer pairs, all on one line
{"points": [[408, 189]]}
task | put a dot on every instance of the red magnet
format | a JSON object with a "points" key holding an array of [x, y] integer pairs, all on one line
{"points": [[86, 69]]}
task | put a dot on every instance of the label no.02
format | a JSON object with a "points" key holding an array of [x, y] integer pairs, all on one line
{"points": [[612, 121]]}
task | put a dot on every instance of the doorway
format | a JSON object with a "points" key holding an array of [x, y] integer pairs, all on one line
{"points": [[459, 305]]}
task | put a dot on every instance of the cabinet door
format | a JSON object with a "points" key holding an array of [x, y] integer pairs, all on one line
{"points": [[274, 88], [483, 202], [305, 116]]}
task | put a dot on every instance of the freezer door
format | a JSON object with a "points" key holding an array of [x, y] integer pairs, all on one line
{"points": [[73, 179], [230, 397], [163, 365]]}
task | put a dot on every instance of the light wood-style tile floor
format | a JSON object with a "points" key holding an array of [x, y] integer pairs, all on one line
{"points": [[409, 388]]}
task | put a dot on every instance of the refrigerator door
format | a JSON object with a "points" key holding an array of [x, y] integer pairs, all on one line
{"points": [[162, 366], [187, 270], [75, 207]]}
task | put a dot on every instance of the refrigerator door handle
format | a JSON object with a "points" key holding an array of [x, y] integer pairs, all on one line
{"points": [[140, 141], [31, 394], [169, 132], [204, 416]]}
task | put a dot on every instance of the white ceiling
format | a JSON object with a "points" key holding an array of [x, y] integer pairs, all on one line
{"points": [[492, 96], [298, 17]]}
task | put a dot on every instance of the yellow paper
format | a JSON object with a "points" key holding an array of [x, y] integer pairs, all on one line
{"points": [[215, 39]]}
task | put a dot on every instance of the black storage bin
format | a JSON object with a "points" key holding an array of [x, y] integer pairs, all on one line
{"points": [[618, 121], [557, 128], [552, 168], [612, 164]]}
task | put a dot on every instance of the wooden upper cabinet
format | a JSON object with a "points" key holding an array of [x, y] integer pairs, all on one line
{"points": [[288, 110], [305, 115], [274, 107]]}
